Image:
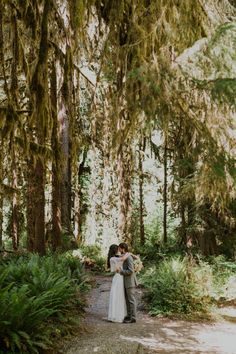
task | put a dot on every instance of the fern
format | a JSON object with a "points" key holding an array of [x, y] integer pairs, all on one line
{"points": [[33, 291], [173, 289]]}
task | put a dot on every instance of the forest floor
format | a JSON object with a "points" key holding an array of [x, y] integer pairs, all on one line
{"points": [[149, 334]]}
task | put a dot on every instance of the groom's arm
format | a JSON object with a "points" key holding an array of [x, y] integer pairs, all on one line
{"points": [[130, 267]]}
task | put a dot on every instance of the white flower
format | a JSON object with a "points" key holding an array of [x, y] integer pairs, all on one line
{"points": [[77, 254], [138, 265]]}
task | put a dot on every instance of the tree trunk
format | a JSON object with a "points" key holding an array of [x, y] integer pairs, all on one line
{"points": [[64, 122], [15, 218], [39, 89], [1, 195], [14, 96], [56, 177], [39, 200], [207, 243], [183, 231], [1, 219], [125, 200], [78, 217], [141, 202], [165, 193], [65, 172], [30, 209], [15, 59]]}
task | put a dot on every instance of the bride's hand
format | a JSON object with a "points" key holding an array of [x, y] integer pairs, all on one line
{"points": [[135, 256]]}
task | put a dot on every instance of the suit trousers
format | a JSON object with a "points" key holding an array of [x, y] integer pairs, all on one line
{"points": [[130, 302]]}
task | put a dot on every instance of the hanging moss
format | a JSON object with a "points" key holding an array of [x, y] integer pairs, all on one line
{"points": [[137, 88]]}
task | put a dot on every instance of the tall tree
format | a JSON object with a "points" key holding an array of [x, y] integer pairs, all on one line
{"points": [[56, 163], [39, 92], [64, 116], [141, 196], [15, 213], [165, 185]]}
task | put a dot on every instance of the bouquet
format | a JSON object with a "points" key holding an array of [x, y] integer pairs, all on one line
{"points": [[138, 264]]}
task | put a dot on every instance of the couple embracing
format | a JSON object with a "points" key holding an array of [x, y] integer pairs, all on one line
{"points": [[122, 303]]}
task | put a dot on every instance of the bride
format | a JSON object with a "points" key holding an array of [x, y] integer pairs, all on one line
{"points": [[117, 304]]}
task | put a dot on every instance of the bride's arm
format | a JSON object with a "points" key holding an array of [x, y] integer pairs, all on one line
{"points": [[135, 256], [125, 256], [122, 259]]}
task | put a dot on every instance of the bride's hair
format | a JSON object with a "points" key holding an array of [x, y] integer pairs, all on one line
{"points": [[111, 253]]}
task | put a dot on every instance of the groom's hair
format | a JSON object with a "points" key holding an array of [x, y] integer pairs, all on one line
{"points": [[124, 246]]}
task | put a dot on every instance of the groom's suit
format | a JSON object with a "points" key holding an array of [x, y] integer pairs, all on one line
{"points": [[130, 282]]}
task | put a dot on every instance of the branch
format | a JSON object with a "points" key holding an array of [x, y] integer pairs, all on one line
{"points": [[62, 54]]}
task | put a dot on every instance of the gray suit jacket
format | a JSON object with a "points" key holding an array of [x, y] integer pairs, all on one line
{"points": [[127, 271]]}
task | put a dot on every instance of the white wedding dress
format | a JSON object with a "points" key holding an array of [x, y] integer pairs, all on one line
{"points": [[117, 304]]}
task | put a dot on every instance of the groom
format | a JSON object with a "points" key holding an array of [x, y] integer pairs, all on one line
{"points": [[130, 282]]}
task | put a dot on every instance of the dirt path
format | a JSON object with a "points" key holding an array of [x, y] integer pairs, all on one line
{"points": [[148, 335]]}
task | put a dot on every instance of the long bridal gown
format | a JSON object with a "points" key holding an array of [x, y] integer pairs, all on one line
{"points": [[117, 304]]}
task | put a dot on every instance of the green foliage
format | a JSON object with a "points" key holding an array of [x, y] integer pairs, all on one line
{"points": [[178, 287], [154, 250], [150, 250], [224, 278], [34, 292], [68, 241], [91, 251], [188, 286], [93, 258], [21, 226], [224, 90]]}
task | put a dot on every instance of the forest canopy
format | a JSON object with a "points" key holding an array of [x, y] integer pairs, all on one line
{"points": [[117, 123]]}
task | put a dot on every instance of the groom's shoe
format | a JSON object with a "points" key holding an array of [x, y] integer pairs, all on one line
{"points": [[126, 318], [130, 320]]}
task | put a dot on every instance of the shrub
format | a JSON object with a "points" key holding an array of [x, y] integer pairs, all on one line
{"points": [[224, 279], [228, 293], [177, 287], [91, 257], [91, 251]]}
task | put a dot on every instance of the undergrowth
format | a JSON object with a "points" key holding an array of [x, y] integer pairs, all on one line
{"points": [[38, 296]]}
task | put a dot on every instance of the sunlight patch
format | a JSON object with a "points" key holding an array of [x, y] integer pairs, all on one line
{"points": [[221, 339]]}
